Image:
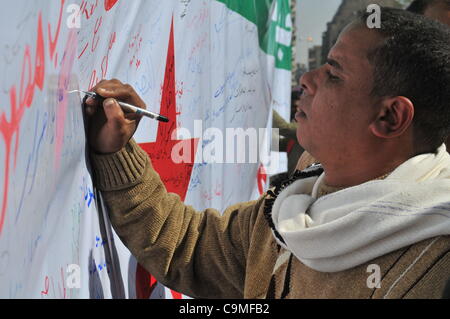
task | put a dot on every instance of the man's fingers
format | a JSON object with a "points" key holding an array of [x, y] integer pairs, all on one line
{"points": [[109, 85], [90, 101], [110, 128], [89, 110], [100, 84], [114, 113], [119, 91], [122, 92], [91, 105]]}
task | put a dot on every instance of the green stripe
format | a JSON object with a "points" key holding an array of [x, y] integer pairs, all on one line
{"points": [[258, 12]]}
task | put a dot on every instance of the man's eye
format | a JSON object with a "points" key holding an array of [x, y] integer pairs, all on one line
{"points": [[332, 77]]}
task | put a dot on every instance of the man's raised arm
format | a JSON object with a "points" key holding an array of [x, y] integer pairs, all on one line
{"points": [[201, 254]]}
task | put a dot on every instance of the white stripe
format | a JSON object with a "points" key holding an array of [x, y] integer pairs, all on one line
{"points": [[274, 15], [410, 266], [281, 260]]}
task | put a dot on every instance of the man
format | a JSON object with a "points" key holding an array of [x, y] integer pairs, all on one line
{"points": [[438, 10], [372, 222]]}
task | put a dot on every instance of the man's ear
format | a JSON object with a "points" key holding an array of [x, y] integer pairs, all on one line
{"points": [[394, 118]]}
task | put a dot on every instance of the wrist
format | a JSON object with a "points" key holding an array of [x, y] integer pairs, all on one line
{"points": [[121, 169]]}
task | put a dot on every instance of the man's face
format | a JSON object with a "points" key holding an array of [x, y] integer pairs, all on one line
{"points": [[439, 11], [336, 108]]}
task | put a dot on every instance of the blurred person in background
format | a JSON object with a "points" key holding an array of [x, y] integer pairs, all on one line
{"points": [[287, 138]]}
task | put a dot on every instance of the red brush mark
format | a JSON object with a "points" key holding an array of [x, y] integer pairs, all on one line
{"points": [[95, 38], [104, 66], [84, 50], [175, 295], [46, 286], [88, 12], [176, 177], [145, 283], [94, 80], [26, 93], [135, 46], [261, 179], [40, 57], [63, 291], [109, 4], [52, 43]]}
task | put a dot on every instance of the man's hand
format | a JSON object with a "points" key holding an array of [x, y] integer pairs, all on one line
{"points": [[109, 128]]}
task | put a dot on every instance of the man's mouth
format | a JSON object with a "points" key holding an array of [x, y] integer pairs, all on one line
{"points": [[300, 113]]}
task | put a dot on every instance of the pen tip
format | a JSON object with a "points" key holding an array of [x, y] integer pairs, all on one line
{"points": [[163, 119]]}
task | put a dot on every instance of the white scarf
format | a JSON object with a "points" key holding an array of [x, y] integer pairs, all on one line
{"points": [[357, 224]]}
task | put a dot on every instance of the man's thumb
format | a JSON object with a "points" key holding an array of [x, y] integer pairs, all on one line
{"points": [[113, 111]]}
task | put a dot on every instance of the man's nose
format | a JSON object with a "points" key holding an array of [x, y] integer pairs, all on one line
{"points": [[308, 82]]}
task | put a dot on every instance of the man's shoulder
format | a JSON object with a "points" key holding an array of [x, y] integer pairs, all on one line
{"points": [[420, 271]]}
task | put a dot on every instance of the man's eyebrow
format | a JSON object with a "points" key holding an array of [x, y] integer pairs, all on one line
{"points": [[335, 64]]}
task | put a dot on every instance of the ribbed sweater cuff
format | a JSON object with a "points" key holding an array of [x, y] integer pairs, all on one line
{"points": [[119, 170]]}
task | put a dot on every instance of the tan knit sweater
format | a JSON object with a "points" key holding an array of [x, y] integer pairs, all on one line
{"points": [[234, 255]]}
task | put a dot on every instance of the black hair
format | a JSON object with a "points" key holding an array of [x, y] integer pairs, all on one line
{"points": [[419, 6], [413, 60]]}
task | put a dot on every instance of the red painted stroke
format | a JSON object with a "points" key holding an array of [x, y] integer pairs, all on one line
{"points": [[109, 4], [175, 295], [39, 74], [261, 179], [26, 93], [52, 42], [145, 283], [46, 286]]}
